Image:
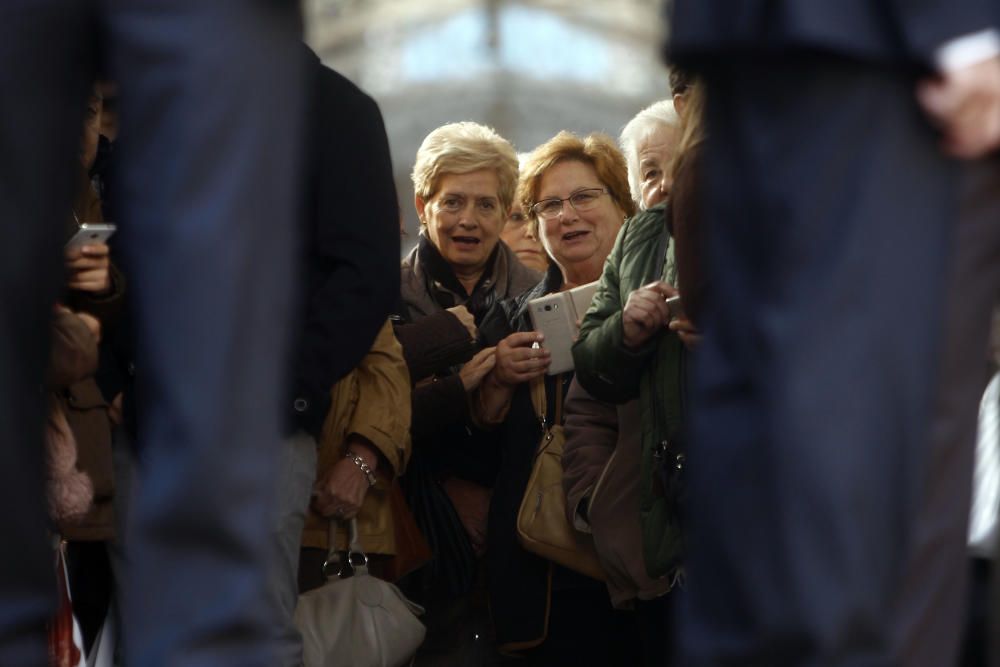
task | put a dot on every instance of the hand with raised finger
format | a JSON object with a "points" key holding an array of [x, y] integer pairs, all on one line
{"points": [[89, 268], [645, 313], [474, 370], [518, 361], [462, 314]]}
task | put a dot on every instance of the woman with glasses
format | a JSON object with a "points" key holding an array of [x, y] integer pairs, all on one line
{"points": [[521, 235], [576, 192], [464, 179]]}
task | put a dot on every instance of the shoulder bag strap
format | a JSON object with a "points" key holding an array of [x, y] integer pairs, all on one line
{"points": [[539, 401]]}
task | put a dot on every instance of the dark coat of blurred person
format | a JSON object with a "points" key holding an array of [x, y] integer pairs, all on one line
{"points": [[544, 614], [464, 176], [826, 513], [349, 282], [208, 183]]}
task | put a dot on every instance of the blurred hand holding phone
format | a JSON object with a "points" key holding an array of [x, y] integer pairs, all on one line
{"points": [[91, 233]]}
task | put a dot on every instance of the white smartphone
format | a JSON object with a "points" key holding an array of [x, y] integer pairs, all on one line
{"points": [[91, 232], [557, 316]]}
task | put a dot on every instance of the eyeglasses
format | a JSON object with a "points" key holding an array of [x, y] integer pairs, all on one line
{"points": [[581, 201]]}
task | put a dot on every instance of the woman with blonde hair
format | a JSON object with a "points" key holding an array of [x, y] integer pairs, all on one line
{"points": [[453, 282], [577, 193]]}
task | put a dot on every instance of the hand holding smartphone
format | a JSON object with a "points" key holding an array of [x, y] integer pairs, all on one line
{"points": [[676, 307], [557, 316], [91, 233]]}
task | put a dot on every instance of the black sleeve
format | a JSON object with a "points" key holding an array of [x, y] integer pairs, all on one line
{"points": [[433, 344], [438, 405], [926, 25], [352, 241]]}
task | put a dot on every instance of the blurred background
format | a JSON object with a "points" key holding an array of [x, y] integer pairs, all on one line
{"points": [[528, 68]]}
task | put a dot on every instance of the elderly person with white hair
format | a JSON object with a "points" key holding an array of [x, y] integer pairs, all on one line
{"points": [[648, 142]]}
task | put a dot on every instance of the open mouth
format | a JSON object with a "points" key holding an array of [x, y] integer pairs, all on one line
{"points": [[574, 236], [465, 241]]}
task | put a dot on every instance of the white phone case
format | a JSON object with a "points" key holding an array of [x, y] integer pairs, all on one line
{"points": [[556, 316]]}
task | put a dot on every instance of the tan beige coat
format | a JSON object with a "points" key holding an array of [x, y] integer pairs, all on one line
{"points": [[373, 401]]}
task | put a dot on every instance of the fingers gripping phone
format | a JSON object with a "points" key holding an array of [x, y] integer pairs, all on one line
{"points": [[557, 316], [91, 233], [676, 307]]}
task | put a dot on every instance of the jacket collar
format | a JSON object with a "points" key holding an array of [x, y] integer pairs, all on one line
{"points": [[438, 269], [425, 287]]}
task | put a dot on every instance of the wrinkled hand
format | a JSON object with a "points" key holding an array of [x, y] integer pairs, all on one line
{"points": [[517, 362], [475, 369], [966, 104], [472, 504], [89, 268], [462, 314], [339, 492], [646, 313], [687, 332]]}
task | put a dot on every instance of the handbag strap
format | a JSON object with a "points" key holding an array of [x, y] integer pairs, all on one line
{"points": [[353, 549], [540, 404]]}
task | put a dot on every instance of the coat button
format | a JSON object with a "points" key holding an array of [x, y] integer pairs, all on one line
{"points": [[300, 405]]}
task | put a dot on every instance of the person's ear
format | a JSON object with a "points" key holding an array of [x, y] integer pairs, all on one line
{"points": [[680, 101], [420, 204]]}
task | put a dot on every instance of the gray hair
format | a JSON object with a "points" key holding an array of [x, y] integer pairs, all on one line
{"points": [[648, 120]]}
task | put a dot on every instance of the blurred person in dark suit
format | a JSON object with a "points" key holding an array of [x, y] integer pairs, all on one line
{"points": [[209, 152], [815, 530], [349, 281]]}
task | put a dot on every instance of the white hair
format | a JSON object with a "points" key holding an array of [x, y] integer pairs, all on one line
{"points": [[648, 120]]}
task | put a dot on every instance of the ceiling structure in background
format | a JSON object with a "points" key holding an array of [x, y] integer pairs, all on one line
{"points": [[528, 68]]}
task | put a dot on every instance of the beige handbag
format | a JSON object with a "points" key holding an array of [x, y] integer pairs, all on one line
{"points": [[358, 620], [542, 526]]}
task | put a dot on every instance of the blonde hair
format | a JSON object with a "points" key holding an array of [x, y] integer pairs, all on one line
{"points": [[461, 148], [644, 123], [596, 149]]}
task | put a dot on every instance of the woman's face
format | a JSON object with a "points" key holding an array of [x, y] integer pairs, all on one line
{"points": [[655, 152], [519, 233], [464, 218], [575, 237]]}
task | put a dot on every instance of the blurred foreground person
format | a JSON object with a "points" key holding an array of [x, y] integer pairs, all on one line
{"points": [[209, 153], [830, 213]]}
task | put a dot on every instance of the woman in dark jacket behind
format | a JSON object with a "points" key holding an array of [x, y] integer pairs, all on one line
{"points": [[464, 178], [577, 193]]}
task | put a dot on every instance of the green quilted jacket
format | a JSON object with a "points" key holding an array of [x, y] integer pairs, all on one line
{"points": [[643, 253]]}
